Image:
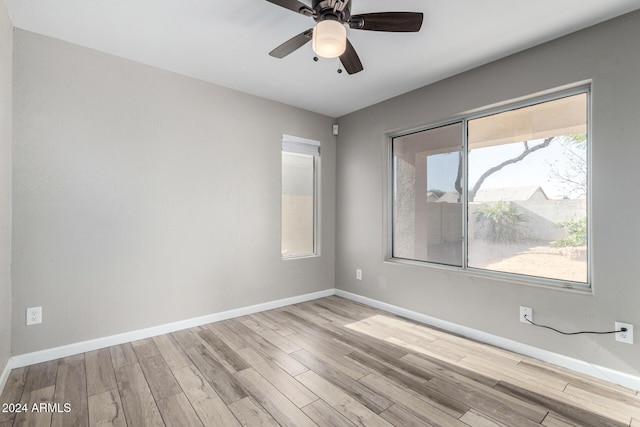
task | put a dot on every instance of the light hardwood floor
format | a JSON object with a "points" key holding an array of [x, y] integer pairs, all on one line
{"points": [[329, 362]]}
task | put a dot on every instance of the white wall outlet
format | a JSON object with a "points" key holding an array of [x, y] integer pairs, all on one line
{"points": [[34, 315], [526, 311], [358, 274], [626, 336]]}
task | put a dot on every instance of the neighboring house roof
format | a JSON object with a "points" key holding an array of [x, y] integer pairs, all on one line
{"points": [[510, 194], [449, 197], [431, 196]]}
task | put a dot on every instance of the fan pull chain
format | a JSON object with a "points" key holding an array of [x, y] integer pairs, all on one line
{"points": [[339, 71]]}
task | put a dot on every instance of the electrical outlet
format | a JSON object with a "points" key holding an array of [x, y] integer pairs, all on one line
{"points": [[358, 274], [34, 315], [526, 311], [626, 336]]}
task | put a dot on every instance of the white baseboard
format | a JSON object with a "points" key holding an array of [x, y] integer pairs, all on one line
{"points": [[4, 376], [607, 374], [84, 346], [603, 373]]}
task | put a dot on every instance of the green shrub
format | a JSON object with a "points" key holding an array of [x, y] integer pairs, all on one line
{"points": [[501, 222], [577, 234]]}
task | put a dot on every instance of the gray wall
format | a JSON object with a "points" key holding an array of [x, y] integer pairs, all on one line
{"points": [[6, 55], [142, 197], [609, 54]]}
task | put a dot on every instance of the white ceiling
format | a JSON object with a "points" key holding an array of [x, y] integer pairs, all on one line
{"points": [[227, 42]]}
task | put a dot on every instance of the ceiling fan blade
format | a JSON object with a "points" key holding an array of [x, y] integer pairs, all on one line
{"points": [[401, 22], [294, 5], [350, 60], [292, 44]]}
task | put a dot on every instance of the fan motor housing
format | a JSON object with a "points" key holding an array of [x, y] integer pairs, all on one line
{"points": [[326, 9]]}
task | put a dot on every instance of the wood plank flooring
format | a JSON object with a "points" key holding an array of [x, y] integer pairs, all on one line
{"points": [[329, 362]]}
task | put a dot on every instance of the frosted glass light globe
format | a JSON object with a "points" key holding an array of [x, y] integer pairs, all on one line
{"points": [[329, 39]]}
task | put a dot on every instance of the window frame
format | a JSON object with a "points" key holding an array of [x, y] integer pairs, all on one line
{"points": [[313, 149], [465, 118]]}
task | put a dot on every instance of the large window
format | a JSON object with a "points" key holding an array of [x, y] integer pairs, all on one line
{"points": [[300, 161], [503, 192]]}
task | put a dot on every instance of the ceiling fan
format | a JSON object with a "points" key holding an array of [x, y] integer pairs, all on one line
{"points": [[329, 36]]}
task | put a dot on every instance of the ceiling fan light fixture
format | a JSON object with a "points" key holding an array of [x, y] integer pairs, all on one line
{"points": [[329, 38]]}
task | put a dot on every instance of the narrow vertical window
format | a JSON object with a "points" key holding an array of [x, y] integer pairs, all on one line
{"points": [[300, 162]]}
